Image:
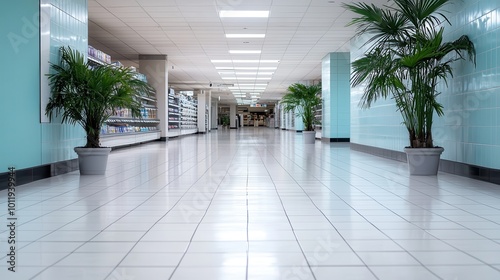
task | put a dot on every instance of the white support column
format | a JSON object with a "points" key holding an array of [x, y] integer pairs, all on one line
{"points": [[202, 102], [232, 116], [209, 106], [215, 113], [156, 70]]}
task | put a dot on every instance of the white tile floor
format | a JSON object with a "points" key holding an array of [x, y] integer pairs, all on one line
{"points": [[254, 203]]}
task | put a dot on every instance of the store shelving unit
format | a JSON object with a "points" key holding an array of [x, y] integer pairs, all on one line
{"points": [[174, 114], [121, 128], [247, 120], [189, 114]]}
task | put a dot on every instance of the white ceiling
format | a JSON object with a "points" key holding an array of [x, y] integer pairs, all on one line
{"points": [[299, 33]]}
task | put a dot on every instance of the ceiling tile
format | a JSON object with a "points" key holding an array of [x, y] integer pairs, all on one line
{"points": [[299, 33]]}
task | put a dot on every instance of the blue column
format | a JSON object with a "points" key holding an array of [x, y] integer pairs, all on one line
{"points": [[336, 97], [299, 124]]}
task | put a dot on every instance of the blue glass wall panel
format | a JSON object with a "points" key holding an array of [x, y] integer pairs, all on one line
{"points": [[24, 141], [336, 96], [469, 131]]}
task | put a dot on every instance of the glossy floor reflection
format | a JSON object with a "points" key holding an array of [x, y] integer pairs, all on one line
{"points": [[254, 203]]}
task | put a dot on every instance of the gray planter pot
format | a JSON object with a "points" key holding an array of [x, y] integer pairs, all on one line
{"points": [[92, 161], [309, 137], [423, 161]]}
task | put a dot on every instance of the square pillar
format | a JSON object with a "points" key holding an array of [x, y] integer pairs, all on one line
{"points": [[232, 116], [156, 70], [336, 94]]}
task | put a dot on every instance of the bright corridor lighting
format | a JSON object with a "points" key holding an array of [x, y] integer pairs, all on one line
{"points": [[245, 78], [244, 61], [246, 68], [242, 36], [254, 73], [255, 61], [232, 13]]}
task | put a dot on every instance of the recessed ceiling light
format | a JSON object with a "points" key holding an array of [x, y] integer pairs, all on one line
{"points": [[246, 68], [232, 13], [245, 51], [254, 73], [254, 61], [243, 61], [246, 73], [245, 35], [248, 87], [241, 78]]}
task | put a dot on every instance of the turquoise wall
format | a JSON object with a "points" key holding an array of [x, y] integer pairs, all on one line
{"points": [[19, 109], [470, 129], [336, 95], [24, 142], [299, 124]]}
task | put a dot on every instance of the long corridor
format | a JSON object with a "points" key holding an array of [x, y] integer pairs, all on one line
{"points": [[253, 203]]}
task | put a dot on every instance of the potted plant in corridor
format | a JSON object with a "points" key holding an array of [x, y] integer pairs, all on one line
{"points": [[406, 60], [303, 100], [87, 96], [224, 121]]}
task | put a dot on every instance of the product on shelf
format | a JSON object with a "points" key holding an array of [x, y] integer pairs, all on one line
{"points": [[99, 55]]}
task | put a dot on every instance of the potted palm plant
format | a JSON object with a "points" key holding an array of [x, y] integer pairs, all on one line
{"points": [[224, 121], [406, 58], [303, 100], [87, 96]]}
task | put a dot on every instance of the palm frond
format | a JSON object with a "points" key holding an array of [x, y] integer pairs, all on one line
{"points": [[303, 100], [406, 58], [87, 95]]}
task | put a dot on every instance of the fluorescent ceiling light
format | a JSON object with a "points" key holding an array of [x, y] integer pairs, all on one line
{"points": [[240, 93], [245, 51], [254, 61], [246, 78], [246, 73], [232, 13], [256, 85], [243, 61], [246, 68], [254, 73], [246, 88], [242, 36]]}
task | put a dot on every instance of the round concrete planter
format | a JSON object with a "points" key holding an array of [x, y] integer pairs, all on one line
{"points": [[92, 161], [309, 137], [423, 161]]}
